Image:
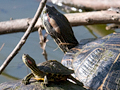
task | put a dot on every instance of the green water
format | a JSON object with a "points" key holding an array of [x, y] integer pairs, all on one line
{"points": [[23, 9]]}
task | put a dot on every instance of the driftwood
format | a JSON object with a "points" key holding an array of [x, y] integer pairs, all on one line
{"points": [[89, 4], [76, 19]]}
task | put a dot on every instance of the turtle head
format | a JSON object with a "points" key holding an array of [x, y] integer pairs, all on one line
{"points": [[47, 13], [29, 61], [59, 28]]}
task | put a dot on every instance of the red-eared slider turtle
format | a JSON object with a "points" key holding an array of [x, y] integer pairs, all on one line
{"points": [[50, 70], [96, 64]]}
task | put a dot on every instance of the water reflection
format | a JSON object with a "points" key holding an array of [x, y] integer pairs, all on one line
{"points": [[99, 29]]}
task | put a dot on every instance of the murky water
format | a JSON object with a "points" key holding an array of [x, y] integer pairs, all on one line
{"points": [[23, 9]]}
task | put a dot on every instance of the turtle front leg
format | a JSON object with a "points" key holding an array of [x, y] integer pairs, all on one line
{"points": [[75, 80], [45, 81], [27, 78]]}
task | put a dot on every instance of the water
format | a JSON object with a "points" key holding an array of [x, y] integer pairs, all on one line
{"points": [[23, 9]]}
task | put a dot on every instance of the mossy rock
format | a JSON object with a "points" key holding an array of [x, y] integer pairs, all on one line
{"points": [[18, 85]]}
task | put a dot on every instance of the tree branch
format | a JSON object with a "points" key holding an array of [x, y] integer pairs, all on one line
{"points": [[76, 19], [90, 4], [18, 25], [43, 41], [97, 17], [113, 26], [25, 36]]}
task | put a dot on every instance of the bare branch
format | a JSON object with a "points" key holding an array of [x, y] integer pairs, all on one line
{"points": [[43, 40], [90, 4], [18, 25], [76, 19], [97, 17], [25, 36], [113, 26], [2, 46]]}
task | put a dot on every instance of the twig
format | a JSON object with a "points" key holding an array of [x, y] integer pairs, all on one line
{"points": [[25, 36], [43, 40], [113, 26], [2, 46]]}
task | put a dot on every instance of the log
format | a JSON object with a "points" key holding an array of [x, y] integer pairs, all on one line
{"points": [[75, 19], [89, 4]]}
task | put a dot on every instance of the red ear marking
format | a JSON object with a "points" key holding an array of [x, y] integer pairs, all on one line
{"points": [[48, 17], [29, 61]]}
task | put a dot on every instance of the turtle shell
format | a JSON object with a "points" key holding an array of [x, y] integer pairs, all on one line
{"points": [[97, 64], [54, 67]]}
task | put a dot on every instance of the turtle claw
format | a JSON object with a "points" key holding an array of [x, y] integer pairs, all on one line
{"points": [[76, 81], [45, 80], [25, 82], [43, 84], [27, 78]]}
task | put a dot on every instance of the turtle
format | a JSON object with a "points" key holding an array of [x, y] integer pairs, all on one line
{"points": [[49, 71], [96, 63]]}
